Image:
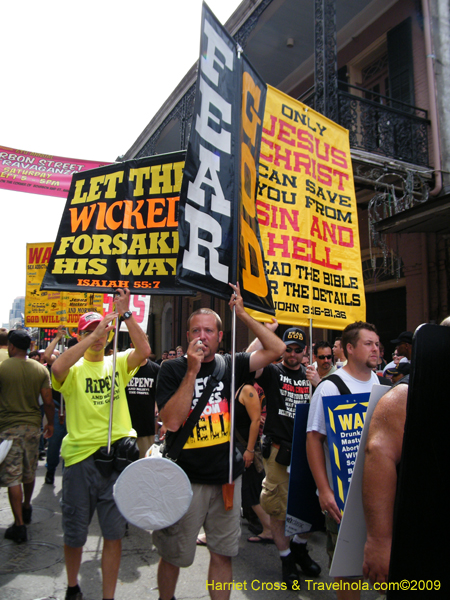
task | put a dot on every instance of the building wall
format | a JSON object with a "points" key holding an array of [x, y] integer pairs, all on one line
{"points": [[438, 253], [440, 26], [413, 253], [422, 97], [412, 248], [425, 256]]}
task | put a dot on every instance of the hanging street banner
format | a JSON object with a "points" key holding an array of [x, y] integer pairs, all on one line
{"points": [[35, 173], [217, 206], [51, 309], [306, 207], [344, 419], [119, 229]]}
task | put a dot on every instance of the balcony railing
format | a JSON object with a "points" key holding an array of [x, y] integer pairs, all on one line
{"points": [[380, 124]]}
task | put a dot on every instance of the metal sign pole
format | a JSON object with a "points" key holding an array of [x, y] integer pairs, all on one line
{"points": [[232, 393], [228, 488], [113, 383], [310, 353]]}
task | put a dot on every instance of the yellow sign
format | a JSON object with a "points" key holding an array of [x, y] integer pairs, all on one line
{"points": [[51, 309], [307, 214]]}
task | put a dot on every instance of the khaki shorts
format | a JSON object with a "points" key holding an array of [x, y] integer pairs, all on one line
{"points": [[177, 544], [332, 534], [144, 442], [22, 459], [275, 485]]}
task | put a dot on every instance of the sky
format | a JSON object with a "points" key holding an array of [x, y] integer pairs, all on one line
{"points": [[82, 80]]}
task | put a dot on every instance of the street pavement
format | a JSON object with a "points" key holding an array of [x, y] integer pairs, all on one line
{"points": [[35, 570]]}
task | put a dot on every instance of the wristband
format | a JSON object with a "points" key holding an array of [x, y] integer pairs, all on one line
{"points": [[252, 451]]}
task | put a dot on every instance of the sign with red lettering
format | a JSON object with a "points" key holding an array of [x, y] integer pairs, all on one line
{"points": [[51, 309], [306, 207], [218, 225], [35, 173], [139, 306], [120, 229]]}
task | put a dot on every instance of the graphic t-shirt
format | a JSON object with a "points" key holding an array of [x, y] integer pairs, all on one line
{"points": [[87, 396], [284, 389], [204, 457], [316, 417], [141, 393]]}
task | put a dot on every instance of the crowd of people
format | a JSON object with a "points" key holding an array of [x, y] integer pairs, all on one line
{"points": [[154, 398]]}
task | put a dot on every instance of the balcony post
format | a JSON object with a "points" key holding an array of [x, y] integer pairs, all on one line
{"points": [[325, 58]]}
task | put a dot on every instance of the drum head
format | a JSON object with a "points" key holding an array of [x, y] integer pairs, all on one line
{"points": [[153, 493]]}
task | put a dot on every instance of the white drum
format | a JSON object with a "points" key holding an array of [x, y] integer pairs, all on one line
{"points": [[153, 493]]}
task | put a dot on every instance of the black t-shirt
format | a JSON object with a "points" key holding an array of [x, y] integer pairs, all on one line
{"points": [[141, 394], [204, 457], [284, 389]]}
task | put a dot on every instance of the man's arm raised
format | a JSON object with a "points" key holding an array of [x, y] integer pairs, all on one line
{"points": [[141, 349], [49, 350], [268, 346], [63, 364]]}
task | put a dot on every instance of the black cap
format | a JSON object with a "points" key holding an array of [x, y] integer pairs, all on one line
{"points": [[19, 338], [294, 335], [403, 368], [405, 336]]}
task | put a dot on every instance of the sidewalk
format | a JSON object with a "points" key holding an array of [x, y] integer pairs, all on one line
{"points": [[35, 570]]}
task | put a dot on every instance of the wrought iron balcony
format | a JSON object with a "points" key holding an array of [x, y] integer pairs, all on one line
{"points": [[380, 124]]}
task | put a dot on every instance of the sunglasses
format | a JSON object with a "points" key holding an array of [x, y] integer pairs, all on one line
{"points": [[324, 357], [296, 350], [172, 354]]}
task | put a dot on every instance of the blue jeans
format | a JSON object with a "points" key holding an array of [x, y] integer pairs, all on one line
{"points": [[41, 439], [54, 443]]}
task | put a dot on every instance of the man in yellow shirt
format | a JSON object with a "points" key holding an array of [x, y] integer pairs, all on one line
{"points": [[84, 376]]}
